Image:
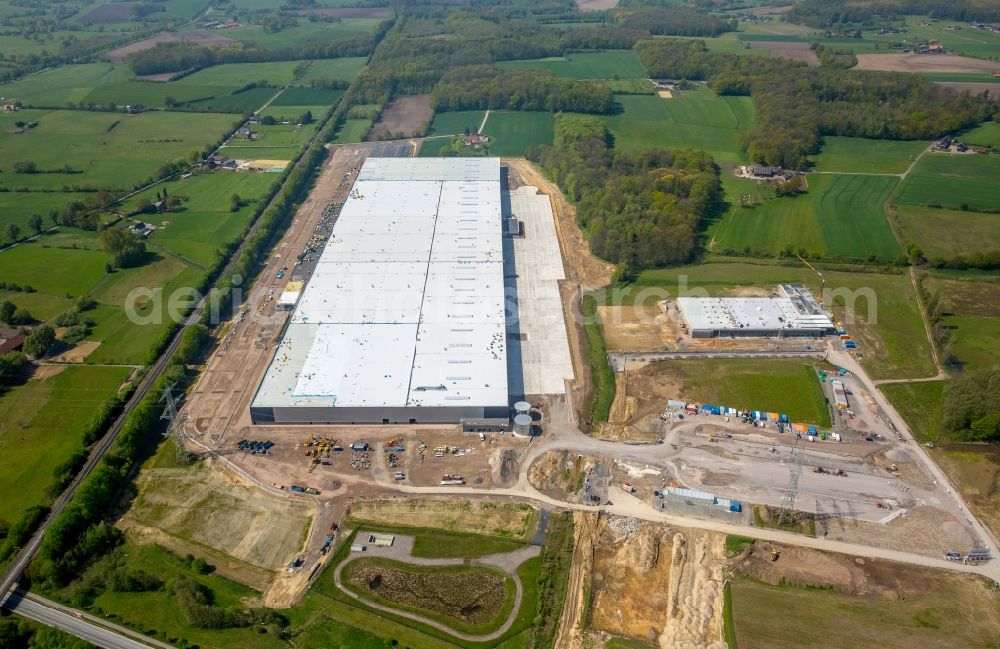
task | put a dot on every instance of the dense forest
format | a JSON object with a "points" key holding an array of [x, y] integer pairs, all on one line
{"points": [[797, 104], [823, 14], [971, 406], [639, 209], [485, 86], [673, 21]]}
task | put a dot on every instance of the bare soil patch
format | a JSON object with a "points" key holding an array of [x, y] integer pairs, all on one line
{"points": [[922, 530], [210, 508], [630, 580], [923, 63], [768, 10], [161, 77], [43, 372], [403, 117], [113, 12], [79, 353], [512, 520], [596, 5], [666, 94], [797, 51], [199, 36]]}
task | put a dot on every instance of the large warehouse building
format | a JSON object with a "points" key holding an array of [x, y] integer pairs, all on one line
{"points": [[794, 312], [403, 319]]}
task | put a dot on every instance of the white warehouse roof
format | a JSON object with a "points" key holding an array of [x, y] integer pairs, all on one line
{"points": [[734, 314], [406, 305]]}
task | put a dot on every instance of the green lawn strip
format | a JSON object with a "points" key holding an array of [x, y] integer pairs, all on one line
{"points": [[56, 271], [728, 626], [279, 152], [974, 341], [41, 306], [987, 134], [514, 131], [943, 233], [607, 64], [239, 74], [920, 405], [304, 33], [735, 544], [457, 624], [300, 96], [19, 207], [455, 123], [41, 425], [436, 543], [952, 181], [237, 102], [353, 130], [859, 155], [602, 377], [158, 94]]}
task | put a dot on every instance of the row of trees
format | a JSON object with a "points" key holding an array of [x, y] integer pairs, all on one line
{"points": [[673, 21], [823, 14], [484, 86], [797, 104], [639, 209]]}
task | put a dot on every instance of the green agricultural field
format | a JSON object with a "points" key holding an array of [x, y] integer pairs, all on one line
{"points": [[859, 155], [41, 425], [840, 216], [607, 64], [305, 33], [238, 74], [236, 102], [969, 309], [69, 83], [344, 69], [290, 113], [103, 150], [789, 387], [277, 134], [19, 207], [455, 123], [697, 119], [878, 310], [299, 96], [204, 223], [946, 233], [159, 94], [932, 613], [969, 42], [920, 405], [353, 130], [513, 131], [987, 134], [953, 180]]}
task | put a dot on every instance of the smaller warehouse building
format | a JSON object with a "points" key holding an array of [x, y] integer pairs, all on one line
{"points": [[793, 312]]}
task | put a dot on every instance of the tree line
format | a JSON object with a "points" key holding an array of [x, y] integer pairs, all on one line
{"points": [[823, 14], [485, 86], [797, 104], [671, 21], [971, 406], [639, 209]]}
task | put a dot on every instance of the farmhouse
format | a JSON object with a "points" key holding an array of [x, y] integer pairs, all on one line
{"points": [[793, 313], [403, 319], [764, 171], [10, 339]]}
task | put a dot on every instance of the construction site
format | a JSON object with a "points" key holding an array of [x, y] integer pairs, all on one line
{"points": [[845, 475]]}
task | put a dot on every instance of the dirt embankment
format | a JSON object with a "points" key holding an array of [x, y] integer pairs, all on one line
{"points": [[572, 629], [513, 520], [695, 597], [559, 474]]}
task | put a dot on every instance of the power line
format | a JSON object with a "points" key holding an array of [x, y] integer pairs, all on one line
{"points": [[787, 512]]}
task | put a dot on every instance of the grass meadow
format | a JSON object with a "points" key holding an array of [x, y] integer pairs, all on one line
{"points": [[860, 155], [353, 130], [103, 150], [41, 425], [69, 83], [697, 119], [946, 233], [789, 387], [784, 616], [839, 216], [515, 131], [969, 310], [344, 69], [455, 123], [953, 180], [606, 64], [987, 134], [920, 405], [239, 74], [305, 33]]}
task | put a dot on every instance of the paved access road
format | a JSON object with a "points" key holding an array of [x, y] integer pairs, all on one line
{"points": [[89, 628]]}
